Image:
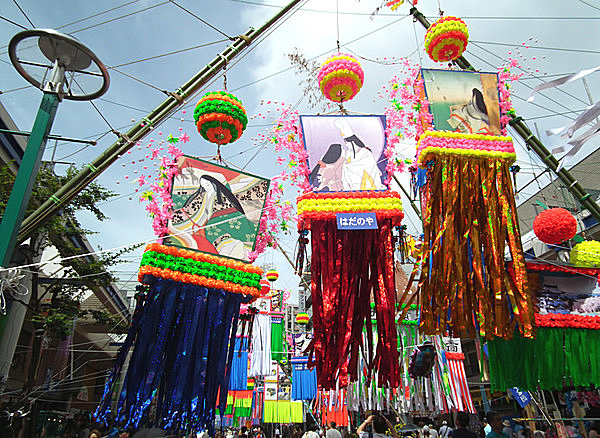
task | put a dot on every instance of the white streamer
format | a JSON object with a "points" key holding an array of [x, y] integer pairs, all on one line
{"points": [[560, 81]]}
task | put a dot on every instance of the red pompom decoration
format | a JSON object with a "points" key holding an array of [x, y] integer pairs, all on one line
{"points": [[554, 225], [265, 288]]}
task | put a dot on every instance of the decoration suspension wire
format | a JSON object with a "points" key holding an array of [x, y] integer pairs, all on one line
{"points": [[337, 20], [417, 41]]}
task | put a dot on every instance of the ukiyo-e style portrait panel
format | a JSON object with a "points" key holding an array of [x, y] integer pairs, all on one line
{"points": [[215, 209], [463, 101], [345, 153]]}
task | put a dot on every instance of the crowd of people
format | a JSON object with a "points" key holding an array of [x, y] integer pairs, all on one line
{"points": [[459, 425]]}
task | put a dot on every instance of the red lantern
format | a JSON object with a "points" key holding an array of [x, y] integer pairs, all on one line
{"points": [[554, 226], [265, 288]]}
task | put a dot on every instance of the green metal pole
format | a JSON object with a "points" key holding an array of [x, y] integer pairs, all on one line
{"points": [[518, 124], [28, 170], [126, 141]]}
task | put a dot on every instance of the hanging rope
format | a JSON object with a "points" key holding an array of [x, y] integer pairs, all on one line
{"points": [[337, 19]]}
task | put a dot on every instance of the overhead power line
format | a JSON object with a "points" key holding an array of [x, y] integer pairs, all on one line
{"points": [[12, 22], [560, 49], [202, 20], [24, 14], [174, 52], [391, 14]]}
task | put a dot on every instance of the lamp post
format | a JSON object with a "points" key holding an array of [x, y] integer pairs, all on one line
{"points": [[68, 61], [67, 58]]}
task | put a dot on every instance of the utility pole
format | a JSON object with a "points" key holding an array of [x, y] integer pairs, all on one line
{"points": [[127, 140], [520, 127]]}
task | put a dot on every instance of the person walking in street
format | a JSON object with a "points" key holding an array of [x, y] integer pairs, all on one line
{"points": [[444, 430], [332, 431], [462, 421]]}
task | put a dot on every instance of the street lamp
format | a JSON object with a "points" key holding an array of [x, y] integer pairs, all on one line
{"points": [[70, 74]]}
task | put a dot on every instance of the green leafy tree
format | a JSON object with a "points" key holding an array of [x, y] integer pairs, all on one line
{"points": [[54, 308]]}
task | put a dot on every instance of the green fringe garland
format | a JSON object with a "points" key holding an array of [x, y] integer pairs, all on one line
{"points": [[221, 106], [558, 357], [191, 266], [279, 411], [277, 344]]}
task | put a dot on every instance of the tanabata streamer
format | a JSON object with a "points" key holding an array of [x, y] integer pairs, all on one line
{"points": [[347, 267], [278, 345], [304, 381], [182, 334], [469, 216], [566, 352]]}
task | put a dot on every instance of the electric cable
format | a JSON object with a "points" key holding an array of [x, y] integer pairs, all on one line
{"points": [[120, 17], [12, 22], [24, 14], [140, 81], [383, 14], [203, 21], [174, 52], [587, 4], [560, 49]]}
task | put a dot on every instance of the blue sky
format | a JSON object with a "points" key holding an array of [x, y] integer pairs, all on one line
{"points": [[135, 30]]}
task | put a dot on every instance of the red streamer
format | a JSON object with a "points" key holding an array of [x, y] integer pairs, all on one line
{"points": [[346, 267]]}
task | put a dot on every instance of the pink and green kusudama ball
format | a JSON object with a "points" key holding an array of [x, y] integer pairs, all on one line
{"points": [[340, 77]]}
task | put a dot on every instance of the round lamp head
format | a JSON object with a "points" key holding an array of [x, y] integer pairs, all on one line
{"points": [[56, 62]]}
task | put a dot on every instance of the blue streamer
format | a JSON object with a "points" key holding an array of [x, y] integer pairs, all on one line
{"points": [[183, 338], [304, 381], [239, 366]]}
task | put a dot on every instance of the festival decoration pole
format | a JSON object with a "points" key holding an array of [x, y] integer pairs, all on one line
{"points": [[127, 140], [518, 124]]}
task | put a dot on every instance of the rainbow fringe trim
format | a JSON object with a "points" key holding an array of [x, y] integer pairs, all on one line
{"points": [[324, 206], [439, 143]]}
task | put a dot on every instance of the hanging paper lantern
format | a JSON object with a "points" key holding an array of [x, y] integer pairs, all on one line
{"points": [[265, 287], [182, 333], [555, 225], [469, 218], [586, 254], [446, 39], [272, 275], [340, 77], [220, 117], [302, 318]]}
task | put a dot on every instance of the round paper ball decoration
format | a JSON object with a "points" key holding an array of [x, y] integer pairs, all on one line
{"points": [[554, 225], [340, 77], [272, 275], [265, 287], [220, 117], [446, 39], [586, 254], [302, 318]]}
